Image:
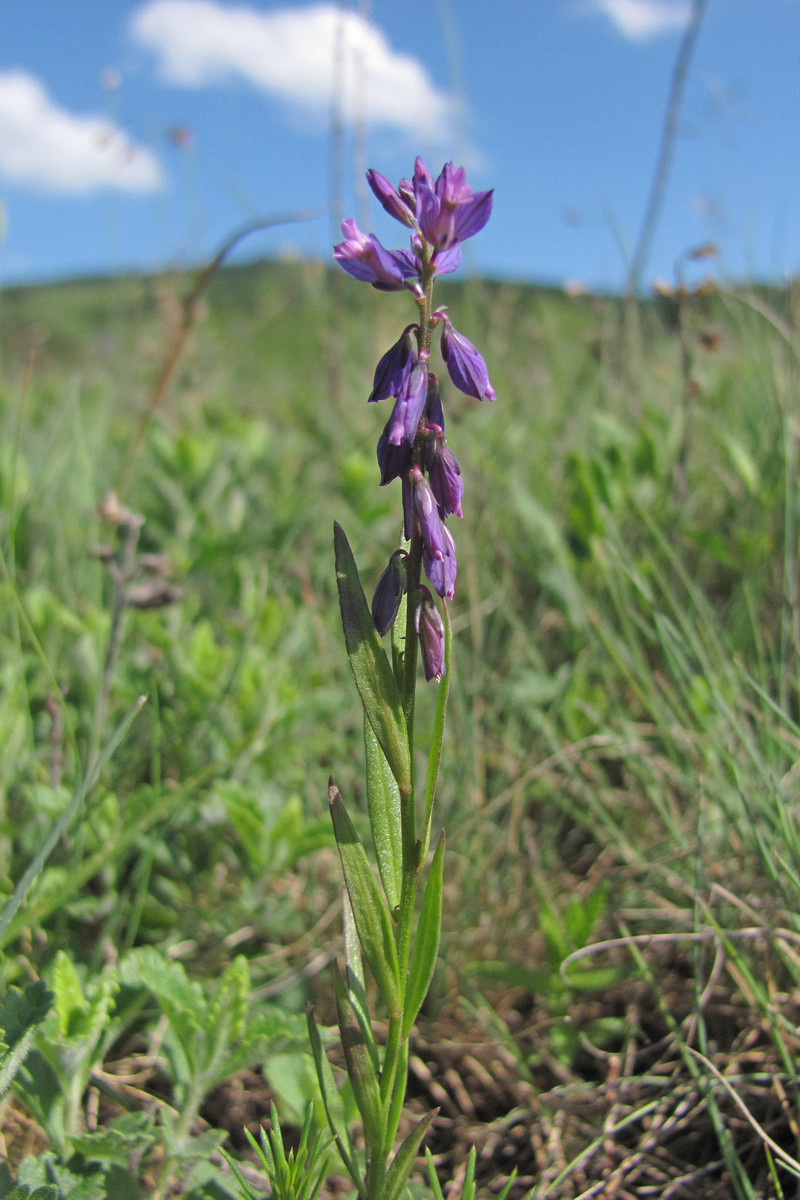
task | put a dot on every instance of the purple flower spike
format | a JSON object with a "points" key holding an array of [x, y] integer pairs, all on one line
{"points": [[390, 199], [363, 257], [430, 628], [464, 364], [441, 568], [389, 592], [396, 364], [444, 474], [409, 406]]}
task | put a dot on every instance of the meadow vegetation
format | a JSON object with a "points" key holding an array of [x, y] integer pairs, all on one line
{"points": [[618, 992]]}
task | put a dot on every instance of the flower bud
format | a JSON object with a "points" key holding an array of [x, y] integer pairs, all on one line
{"points": [[434, 413], [410, 405], [390, 199], [389, 593], [430, 630], [393, 461], [397, 362], [444, 474], [440, 564], [464, 364], [419, 502]]}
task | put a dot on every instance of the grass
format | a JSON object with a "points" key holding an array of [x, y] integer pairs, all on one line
{"points": [[617, 999]]}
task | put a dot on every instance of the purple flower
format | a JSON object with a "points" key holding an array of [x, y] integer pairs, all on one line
{"points": [[448, 211], [393, 461], [438, 547], [464, 364], [419, 502], [410, 405], [444, 474], [389, 592], [430, 629], [390, 198], [397, 362], [441, 567], [363, 257], [463, 213]]}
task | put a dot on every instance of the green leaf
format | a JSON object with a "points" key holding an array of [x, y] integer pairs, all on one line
{"points": [[354, 978], [403, 1161], [426, 941], [332, 1103], [383, 805], [468, 1186], [743, 463], [360, 1067], [19, 1192], [433, 1178], [14, 903], [128, 1136], [508, 1185], [229, 1006], [20, 1013], [181, 1000], [371, 670], [69, 1000], [369, 909], [21, 1010]]}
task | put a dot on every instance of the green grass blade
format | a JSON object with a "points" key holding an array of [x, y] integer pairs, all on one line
{"points": [[62, 824]]}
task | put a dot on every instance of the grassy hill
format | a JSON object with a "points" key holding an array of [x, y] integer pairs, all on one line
{"points": [[616, 998]]}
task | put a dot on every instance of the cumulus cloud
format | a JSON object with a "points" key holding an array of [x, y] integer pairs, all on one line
{"points": [[52, 150], [641, 20], [291, 54]]}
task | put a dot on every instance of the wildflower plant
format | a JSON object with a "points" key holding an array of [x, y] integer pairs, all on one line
{"points": [[382, 925]]}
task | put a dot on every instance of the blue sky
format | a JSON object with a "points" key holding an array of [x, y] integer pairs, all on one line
{"points": [[137, 134]]}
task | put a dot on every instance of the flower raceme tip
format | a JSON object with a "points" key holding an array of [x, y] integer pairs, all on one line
{"points": [[444, 213], [441, 215]]}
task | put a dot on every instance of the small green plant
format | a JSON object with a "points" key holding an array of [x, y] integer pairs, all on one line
{"points": [[563, 933], [296, 1175]]}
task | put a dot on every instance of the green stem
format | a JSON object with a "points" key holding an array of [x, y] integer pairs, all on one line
{"points": [[410, 650], [435, 752], [395, 1059], [393, 1084]]}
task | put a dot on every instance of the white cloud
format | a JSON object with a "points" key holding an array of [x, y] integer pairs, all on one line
{"points": [[641, 20], [53, 150], [290, 53]]}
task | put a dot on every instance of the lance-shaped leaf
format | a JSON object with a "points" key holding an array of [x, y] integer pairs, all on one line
{"points": [[371, 670], [403, 1161], [332, 1103], [369, 909], [383, 804], [426, 941], [354, 979], [360, 1068]]}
